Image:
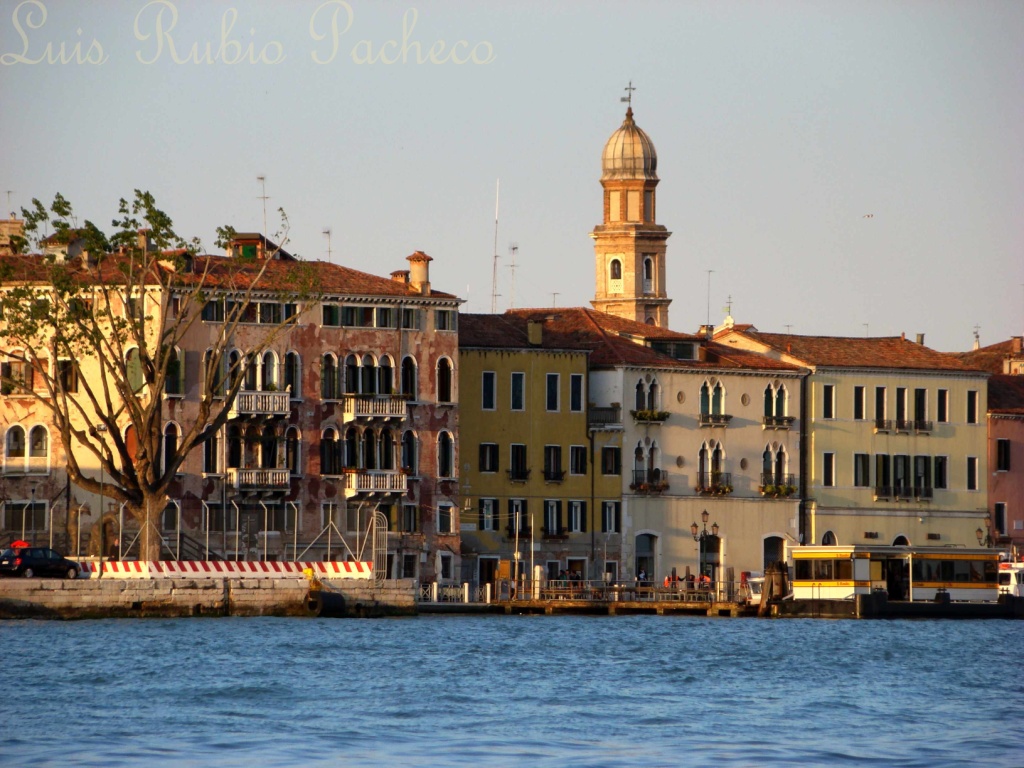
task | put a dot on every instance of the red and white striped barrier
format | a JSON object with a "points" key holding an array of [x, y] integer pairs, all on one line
{"points": [[157, 569]]}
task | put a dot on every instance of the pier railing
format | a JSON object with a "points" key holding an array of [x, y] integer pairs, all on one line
{"points": [[508, 590]]}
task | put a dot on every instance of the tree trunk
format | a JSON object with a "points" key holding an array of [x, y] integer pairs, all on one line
{"points": [[148, 516]]}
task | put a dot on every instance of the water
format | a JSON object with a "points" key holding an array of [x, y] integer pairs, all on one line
{"points": [[537, 691]]}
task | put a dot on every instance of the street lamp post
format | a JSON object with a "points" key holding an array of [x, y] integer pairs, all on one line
{"points": [[984, 535], [702, 536]]}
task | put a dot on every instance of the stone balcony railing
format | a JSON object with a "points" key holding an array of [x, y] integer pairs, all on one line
{"points": [[371, 481], [255, 403], [387, 407], [259, 479]]}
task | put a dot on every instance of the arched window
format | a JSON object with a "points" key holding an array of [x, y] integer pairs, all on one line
{"points": [[174, 383], [291, 449], [705, 398], [252, 372], [766, 467], [615, 270], [214, 379], [329, 378], [234, 447], [16, 443], [652, 396], [769, 401], [444, 380], [330, 453], [780, 400], [370, 449], [901, 541], [268, 372], [236, 367], [385, 377], [292, 374], [409, 462], [648, 275], [775, 400], [780, 466], [718, 399], [641, 398], [351, 449], [38, 448], [387, 449], [351, 375], [829, 539], [445, 455], [268, 448], [368, 379], [170, 446], [409, 388]]}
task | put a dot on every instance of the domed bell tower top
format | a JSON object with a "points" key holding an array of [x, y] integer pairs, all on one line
{"points": [[629, 245]]}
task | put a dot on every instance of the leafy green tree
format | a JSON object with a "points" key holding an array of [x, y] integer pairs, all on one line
{"points": [[92, 331]]}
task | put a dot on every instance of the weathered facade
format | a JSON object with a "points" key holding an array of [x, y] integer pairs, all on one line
{"points": [[351, 410]]}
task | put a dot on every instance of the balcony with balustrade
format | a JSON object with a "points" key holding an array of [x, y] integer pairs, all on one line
{"points": [[604, 417], [374, 482], [374, 407], [777, 486], [714, 483], [258, 404], [715, 419], [649, 482], [259, 479], [777, 422]]}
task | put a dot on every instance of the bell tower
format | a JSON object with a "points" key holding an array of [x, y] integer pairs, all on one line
{"points": [[629, 245]]}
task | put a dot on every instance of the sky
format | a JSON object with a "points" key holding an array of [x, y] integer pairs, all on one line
{"points": [[841, 168]]}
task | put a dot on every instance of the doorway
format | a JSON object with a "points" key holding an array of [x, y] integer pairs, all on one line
{"points": [[645, 548]]}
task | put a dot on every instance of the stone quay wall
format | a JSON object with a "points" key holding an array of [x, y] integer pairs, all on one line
{"points": [[180, 597]]}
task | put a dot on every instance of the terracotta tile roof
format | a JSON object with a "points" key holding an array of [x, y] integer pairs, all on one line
{"points": [[602, 334], [990, 358], [1006, 394], [229, 273], [859, 352]]}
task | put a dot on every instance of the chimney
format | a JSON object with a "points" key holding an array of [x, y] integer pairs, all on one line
{"points": [[920, 339], [903, 335], [401, 276], [419, 272], [144, 240], [535, 332]]}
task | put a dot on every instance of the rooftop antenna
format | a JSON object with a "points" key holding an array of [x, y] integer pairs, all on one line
{"points": [[554, 298], [513, 249], [263, 180], [494, 270], [327, 232], [788, 328], [977, 337], [628, 98], [709, 297], [9, 193]]}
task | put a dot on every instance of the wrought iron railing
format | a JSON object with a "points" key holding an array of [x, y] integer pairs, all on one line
{"points": [[604, 416], [715, 419], [778, 422], [719, 483]]}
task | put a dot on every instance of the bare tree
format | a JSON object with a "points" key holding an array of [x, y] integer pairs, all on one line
{"points": [[93, 331]]}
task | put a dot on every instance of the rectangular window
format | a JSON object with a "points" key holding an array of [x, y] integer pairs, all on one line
{"points": [[352, 519], [576, 392], [445, 518], [290, 310], [25, 515], [611, 460], [941, 472], [385, 317], [999, 517], [901, 474], [517, 468], [488, 515], [553, 517], [518, 390], [357, 317], [859, 402], [551, 392], [446, 566], [488, 394], [577, 517], [331, 315], [828, 401], [828, 470], [861, 470], [213, 311], [211, 455], [410, 518], [445, 320], [577, 460], [553, 463], [1002, 455], [942, 406], [883, 476], [67, 375], [901, 404], [409, 566], [411, 319], [611, 514], [488, 457], [269, 313], [972, 473], [972, 406], [517, 522], [922, 473], [880, 409], [920, 404]]}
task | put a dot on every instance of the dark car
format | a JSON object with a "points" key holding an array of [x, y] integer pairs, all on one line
{"points": [[36, 561]]}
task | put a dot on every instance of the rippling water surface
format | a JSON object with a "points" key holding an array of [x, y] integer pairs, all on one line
{"points": [[538, 691]]}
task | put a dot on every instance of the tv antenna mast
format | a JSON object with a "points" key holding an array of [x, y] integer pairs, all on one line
{"points": [[494, 271], [263, 181], [9, 193], [327, 232], [513, 249]]}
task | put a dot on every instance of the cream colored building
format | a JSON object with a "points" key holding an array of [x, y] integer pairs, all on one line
{"points": [[895, 438]]}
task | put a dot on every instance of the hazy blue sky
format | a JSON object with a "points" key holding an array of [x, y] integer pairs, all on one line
{"points": [[779, 127]]}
